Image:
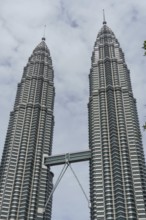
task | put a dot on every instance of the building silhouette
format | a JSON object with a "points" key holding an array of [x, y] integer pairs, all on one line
{"points": [[115, 154], [25, 182]]}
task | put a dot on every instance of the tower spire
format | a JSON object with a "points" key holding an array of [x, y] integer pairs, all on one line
{"points": [[43, 38], [104, 21]]}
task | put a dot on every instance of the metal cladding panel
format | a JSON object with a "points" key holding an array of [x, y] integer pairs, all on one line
{"points": [[24, 181], [117, 167]]}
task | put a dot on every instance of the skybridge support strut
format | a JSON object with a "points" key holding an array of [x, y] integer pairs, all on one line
{"points": [[66, 159]]}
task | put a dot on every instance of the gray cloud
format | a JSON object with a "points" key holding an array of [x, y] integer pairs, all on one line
{"points": [[72, 27]]}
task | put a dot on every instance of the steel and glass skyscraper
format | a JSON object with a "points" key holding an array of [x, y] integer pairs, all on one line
{"points": [[25, 182], [117, 165]]}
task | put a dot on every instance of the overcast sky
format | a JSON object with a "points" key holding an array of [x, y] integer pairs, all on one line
{"points": [[72, 27]]}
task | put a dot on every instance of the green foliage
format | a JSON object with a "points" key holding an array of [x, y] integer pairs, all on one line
{"points": [[144, 47]]}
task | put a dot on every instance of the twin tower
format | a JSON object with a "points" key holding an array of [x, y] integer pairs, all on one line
{"points": [[115, 154]]}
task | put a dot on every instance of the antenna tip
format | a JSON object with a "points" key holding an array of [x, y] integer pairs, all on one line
{"points": [[43, 38], [104, 21]]}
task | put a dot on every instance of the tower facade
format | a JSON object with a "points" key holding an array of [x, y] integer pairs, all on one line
{"points": [[117, 165], [25, 182]]}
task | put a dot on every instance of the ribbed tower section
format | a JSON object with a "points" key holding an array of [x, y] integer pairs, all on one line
{"points": [[117, 168], [24, 181]]}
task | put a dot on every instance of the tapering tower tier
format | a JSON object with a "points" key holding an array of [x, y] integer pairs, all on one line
{"points": [[117, 168], [24, 181]]}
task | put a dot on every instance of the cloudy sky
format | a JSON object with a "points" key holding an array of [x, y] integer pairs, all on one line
{"points": [[72, 26]]}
